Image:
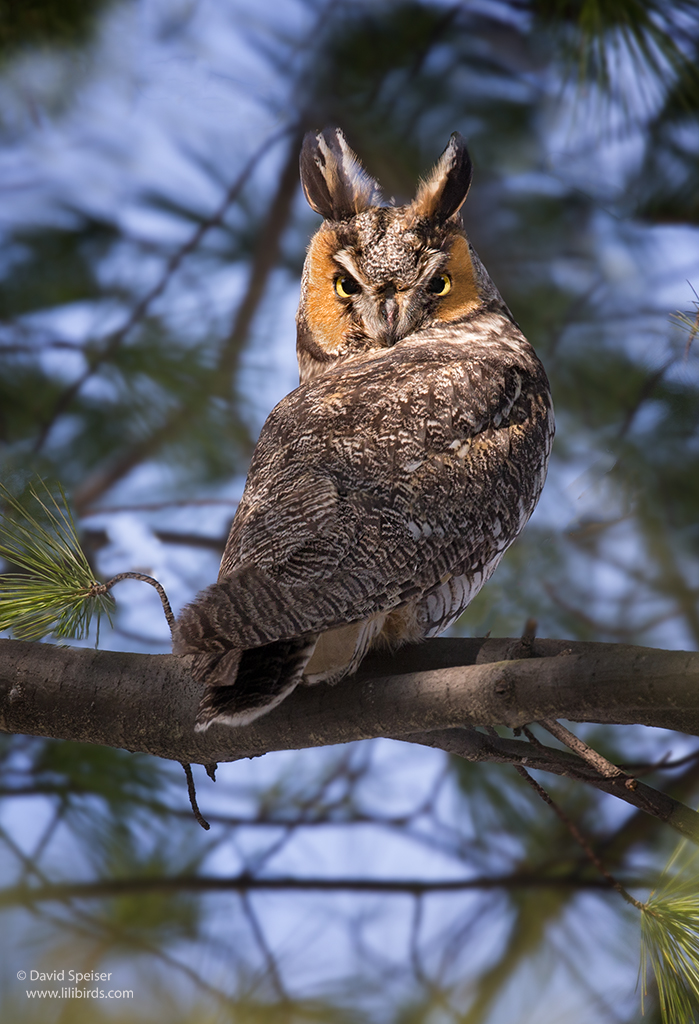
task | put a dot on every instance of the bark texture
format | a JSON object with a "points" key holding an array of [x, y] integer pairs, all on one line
{"points": [[148, 703]]}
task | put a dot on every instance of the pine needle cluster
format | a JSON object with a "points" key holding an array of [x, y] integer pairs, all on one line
{"points": [[670, 938], [56, 593], [689, 322]]}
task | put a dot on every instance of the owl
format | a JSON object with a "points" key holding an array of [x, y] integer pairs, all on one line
{"points": [[383, 491]]}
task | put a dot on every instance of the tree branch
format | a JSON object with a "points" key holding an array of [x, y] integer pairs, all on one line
{"points": [[148, 702], [476, 746], [427, 694], [26, 895]]}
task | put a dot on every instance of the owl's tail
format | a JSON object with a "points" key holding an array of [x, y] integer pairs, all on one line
{"points": [[241, 683], [261, 679]]}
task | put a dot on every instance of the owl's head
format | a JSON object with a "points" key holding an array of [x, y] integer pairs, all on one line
{"points": [[375, 274]]}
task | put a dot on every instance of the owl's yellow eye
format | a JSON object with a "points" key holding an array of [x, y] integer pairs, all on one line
{"points": [[346, 286], [439, 285]]}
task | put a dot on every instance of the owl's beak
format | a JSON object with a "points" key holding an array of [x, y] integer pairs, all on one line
{"points": [[389, 311]]}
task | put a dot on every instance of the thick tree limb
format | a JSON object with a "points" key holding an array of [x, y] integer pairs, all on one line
{"points": [[148, 702], [432, 694]]}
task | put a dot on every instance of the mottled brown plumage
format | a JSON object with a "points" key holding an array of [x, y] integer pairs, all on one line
{"points": [[385, 489]]}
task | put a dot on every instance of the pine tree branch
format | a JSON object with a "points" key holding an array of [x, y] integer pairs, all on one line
{"points": [[580, 839], [433, 694], [104, 588], [476, 746], [28, 895], [148, 702]]}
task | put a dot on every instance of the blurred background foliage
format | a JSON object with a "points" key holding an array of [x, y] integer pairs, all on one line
{"points": [[31, 23], [153, 236]]}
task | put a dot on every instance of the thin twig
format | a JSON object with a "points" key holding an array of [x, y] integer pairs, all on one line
{"points": [[579, 838], [524, 648], [156, 506], [532, 738], [664, 764], [474, 746], [603, 766], [102, 588], [193, 796], [257, 931], [529, 635]]}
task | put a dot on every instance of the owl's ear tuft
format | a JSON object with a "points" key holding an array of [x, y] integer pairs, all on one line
{"points": [[442, 194], [334, 181]]}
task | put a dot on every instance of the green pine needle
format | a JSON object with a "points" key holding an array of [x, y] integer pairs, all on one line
{"points": [[55, 597], [670, 938], [688, 322]]}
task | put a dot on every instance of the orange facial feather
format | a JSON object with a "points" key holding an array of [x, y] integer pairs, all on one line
{"points": [[323, 308], [463, 296]]}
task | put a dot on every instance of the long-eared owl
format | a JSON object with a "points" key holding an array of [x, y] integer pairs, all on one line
{"points": [[385, 489]]}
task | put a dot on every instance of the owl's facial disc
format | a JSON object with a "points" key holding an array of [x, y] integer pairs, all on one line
{"points": [[376, 279], [388, 309]]}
